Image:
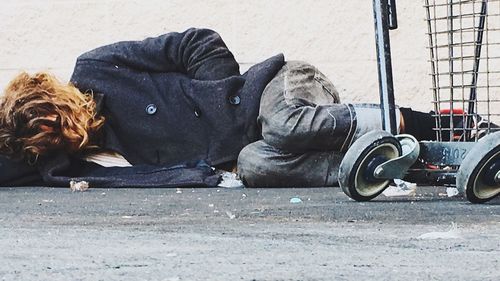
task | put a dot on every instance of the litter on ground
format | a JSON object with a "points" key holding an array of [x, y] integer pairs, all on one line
{"points": [[78, 186], [402, 188], [230, 180], [451, 191], [453, 233]]}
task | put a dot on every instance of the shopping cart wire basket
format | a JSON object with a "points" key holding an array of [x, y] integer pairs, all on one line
{"points": [[464, 47]]}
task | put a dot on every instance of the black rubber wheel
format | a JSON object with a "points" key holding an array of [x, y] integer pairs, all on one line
{"points": [[476, 175], [356, 170]]}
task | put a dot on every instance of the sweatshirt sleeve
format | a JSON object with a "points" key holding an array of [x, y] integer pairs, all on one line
{"points": [[199, 53]]}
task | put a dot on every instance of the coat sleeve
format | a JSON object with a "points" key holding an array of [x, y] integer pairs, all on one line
{"points": [[13, 173], [199, 53]]}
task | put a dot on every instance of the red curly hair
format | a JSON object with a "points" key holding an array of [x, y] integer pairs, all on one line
{"points": [[39, 114]]}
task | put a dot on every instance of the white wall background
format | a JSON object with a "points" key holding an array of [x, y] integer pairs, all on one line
{"points": [[335, 35]]}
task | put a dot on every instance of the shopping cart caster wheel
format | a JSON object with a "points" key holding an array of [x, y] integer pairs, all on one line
{"points": [[479, 174], [356, 173]]}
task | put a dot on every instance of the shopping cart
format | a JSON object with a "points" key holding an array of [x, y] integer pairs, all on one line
{"points": [[464, 48]]}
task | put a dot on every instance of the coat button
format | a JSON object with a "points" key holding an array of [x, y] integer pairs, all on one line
{"points": [[151, 109], [197, 112], [234, 100]]}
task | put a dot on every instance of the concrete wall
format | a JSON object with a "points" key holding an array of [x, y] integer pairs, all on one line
{"points": [[335, 35]]}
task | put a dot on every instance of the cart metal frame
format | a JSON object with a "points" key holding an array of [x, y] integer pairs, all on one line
{"points": [[465, 154]]}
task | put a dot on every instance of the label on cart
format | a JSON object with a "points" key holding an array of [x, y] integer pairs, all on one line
{"points": [[444, 153]]}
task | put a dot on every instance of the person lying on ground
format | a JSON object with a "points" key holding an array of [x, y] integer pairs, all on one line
{"points": [[165, 110]]}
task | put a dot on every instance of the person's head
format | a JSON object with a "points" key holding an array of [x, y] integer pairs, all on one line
{"points": [[39, 114]]}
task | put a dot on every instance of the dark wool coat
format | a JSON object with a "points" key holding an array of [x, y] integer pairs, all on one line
{"points": [[174, 106]]}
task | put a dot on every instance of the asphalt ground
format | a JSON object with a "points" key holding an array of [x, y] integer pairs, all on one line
{"points": [[244, 234]]}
